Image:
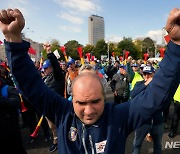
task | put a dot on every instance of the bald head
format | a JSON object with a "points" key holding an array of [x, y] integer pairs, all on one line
{"points": [[88, 97], [88, 79]]}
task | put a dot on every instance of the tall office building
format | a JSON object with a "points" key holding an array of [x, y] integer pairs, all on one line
{"points": [[95, 29]]}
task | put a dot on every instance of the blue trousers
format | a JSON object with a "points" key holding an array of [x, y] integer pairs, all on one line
{"points": [[156, 132]]}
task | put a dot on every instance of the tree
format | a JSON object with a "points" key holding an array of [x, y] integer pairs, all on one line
{"points": [[148, 46], [54, 46], [88, 48], [71, 49], [127, 45], [100, 49], [113, 48], [138, 45]]}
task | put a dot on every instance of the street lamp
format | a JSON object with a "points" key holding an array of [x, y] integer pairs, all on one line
{"points": [[108, 50], [155, 46]]}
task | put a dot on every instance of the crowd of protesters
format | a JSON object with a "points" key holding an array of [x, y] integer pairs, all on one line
{"points": [[126, 78], [122, 78]]}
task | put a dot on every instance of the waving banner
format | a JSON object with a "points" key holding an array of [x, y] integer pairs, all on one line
{"points": [[63, 49], [162, 51], [80, 51], [146, 55], [32, 51], [88, 55]]}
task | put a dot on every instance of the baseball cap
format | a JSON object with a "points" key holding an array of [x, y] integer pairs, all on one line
{"points": [[148, 69], [46, 64], [135, 65], [72, 61], [142, 65], [121, 66]]}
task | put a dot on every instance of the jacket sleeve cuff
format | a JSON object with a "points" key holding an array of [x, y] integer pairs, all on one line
{"points": [[17, 47]]}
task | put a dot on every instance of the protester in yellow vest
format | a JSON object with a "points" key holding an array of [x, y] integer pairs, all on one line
{"points": [[137, 75], [176, 115]]}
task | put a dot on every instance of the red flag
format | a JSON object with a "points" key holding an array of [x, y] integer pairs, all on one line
{"points": [[92, 58], [162, 51], [126, 54], [32, 51], [1, 42], [63, 49], [80, 50], [88, 55], [146, 55]]}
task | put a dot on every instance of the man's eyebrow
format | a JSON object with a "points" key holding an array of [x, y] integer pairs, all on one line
{"points": [[77, 101], [94, 100]]}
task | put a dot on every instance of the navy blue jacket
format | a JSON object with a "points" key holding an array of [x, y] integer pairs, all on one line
{"points": [[110, 132], [158, 117]]}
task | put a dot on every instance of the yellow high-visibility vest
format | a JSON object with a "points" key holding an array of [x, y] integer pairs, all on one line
{"points": [[137, 77], [177, 95]]}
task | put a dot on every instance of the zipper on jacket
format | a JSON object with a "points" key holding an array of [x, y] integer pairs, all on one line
{"points": [[83, 139], [92, 147]]}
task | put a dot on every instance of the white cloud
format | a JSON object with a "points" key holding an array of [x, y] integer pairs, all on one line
{"points": [[71, 18], [156, 35], [70, 29], [113, 39], [80, 5]]}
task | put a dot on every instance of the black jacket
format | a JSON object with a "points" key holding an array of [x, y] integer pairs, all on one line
{"points": [[55, 80], [120, 83], [10, 135], [158, 117]]}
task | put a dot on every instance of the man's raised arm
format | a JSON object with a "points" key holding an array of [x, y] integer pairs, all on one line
{"points": [[29, 81]]}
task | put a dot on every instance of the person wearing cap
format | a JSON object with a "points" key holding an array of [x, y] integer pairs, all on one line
{"points": [[153, 129], [72, 73], [55, 80], [88, 124], [137, 77], [120, 85], [141, 69]]}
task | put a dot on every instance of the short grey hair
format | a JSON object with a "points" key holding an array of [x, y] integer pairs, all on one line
{"points": [[86, 67]]}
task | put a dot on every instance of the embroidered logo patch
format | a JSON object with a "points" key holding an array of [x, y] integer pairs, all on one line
{"points": [[100, 147], [72, 134]]}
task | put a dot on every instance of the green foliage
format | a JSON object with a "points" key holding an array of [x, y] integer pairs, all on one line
{"points": [[100, 49], [138, 45], [127, 45], [88, 48], [148, 46], [56, 46], [44, 54], [71, 49]]}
